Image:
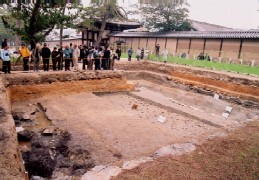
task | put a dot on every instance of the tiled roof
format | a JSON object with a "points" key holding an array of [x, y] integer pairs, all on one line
{"points": [[193, 34], [203, 26]]}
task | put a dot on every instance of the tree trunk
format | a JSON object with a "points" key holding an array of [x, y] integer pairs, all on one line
{"points": [[17, 39], [61, 27], [104, 22], [31, 30]]}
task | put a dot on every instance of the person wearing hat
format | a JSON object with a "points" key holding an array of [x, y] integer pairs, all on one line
{"points": [[24, 51], [5, 56], [45, 53]]}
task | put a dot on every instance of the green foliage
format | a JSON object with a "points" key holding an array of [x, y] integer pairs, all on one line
{"points": [[166, 16], [100, 11], [96, 16], [36, 21]]}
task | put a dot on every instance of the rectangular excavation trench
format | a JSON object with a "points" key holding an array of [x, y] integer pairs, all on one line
{"points": [[110, 121]]}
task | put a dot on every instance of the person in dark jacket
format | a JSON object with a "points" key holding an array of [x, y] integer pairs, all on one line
{"points": [[105, 59], [54, 55], [85, 55], [59, 59], [81, 56], [118, 52], [45, 53]]}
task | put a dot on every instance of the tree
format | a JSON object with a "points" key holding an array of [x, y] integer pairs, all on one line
{"points": [[164, 16], [101, 11], [37, 20]]}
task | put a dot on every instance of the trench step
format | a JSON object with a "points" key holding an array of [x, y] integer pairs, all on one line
{"points": [[166, 103]]}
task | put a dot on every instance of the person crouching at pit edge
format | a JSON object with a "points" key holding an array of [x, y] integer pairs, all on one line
{"points": [[5, 55], [24, 51], [67, 52]]}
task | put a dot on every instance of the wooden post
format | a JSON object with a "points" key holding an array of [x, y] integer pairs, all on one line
{"points": [[190, 44], [147, 42], [204, 45], [240, 48], [220, 48], [176, 45]]}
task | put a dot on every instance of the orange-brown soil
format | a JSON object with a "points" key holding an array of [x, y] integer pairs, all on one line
{"points": [[229, 88], [60, 88]]}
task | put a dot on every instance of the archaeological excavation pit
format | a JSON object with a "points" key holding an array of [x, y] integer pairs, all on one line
{"points": [[70, 123]]}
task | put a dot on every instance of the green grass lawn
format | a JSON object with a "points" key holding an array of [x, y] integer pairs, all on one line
{"points": [[208, 64]]}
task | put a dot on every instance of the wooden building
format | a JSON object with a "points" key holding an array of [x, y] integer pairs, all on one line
{"points": [[90, 36]]}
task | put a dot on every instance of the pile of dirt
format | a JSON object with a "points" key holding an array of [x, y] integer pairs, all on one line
{"points": [[232, 157]]}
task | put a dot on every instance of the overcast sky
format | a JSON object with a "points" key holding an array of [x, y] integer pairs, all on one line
{"points": [[231, 13], [241, 14]]}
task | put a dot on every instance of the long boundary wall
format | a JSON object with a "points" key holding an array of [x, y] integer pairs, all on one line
{"points": [[228, 49]]}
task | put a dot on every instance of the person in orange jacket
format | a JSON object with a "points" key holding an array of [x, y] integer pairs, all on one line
{"points": [[25, 53]]}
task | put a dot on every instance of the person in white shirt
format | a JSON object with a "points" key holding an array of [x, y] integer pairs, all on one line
{"points": [[138, 54], [75, 56], [165, 55], [5, 56], [146, 54]]}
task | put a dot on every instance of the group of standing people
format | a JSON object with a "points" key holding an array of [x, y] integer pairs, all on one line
{"points": [[144, 53], [96, 58]]}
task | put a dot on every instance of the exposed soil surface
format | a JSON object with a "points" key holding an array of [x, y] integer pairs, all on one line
{"points": [[106, 121], [24, 92], [118, 127], [232, 157], [227, 83], [243, 91]]}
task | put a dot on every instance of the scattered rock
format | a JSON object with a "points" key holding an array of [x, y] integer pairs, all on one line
{"points": [[48, 132], [134, 163], [175, 150], [25, 117], [19, 129], [134, 107], [25, 135], [101, 173], [169, 78]]}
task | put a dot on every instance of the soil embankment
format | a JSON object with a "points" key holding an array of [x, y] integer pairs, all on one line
{"points": [[229, 84]]}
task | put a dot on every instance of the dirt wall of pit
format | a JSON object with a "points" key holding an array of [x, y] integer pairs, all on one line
{"points": [[11, 166], [228, 84], [32, 85]]}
